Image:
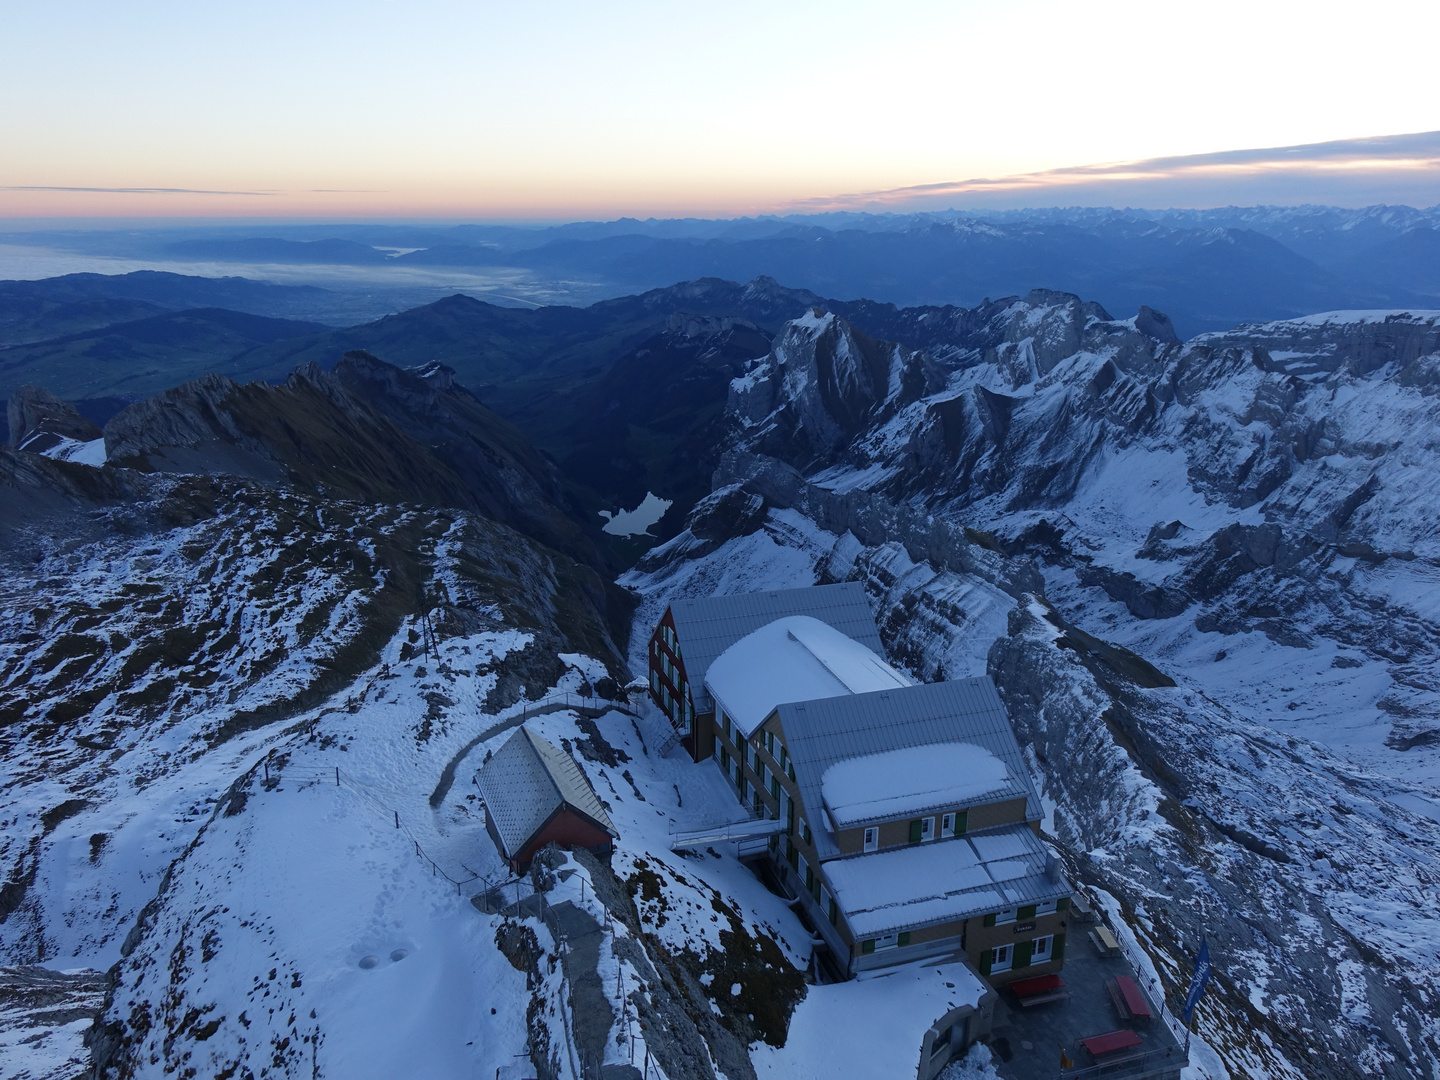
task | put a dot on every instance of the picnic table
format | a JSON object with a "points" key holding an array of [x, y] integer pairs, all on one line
{"points": [[1104, 941], [1039, 990], [1129, 1002], [1112, 1042]]}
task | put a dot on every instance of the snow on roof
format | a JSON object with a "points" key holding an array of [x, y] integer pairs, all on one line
{"points": [[942, 881], [912, 779], [707, 626], [525, 781], [819, 734], [793, 659]]}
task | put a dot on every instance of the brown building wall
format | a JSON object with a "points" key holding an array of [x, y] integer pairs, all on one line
{"points": [[993, 814], [980, 938], [897, 833]]}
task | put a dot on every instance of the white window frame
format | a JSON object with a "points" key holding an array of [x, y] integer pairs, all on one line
{"points": [[997, 964], [1045, 955], [1006, 916], [1049, 907], [947, 825], [889, 941], [927, 829], [871, 839]]}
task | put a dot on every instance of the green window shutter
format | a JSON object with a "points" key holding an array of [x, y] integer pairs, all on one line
{"points": [[990, 919], [790, 770], [834, 913], [725, 758], [867, 947], [904, 938], [915, 831], [1023, 949], [960, 820], [1062, 904], [985, 959], [793, 855], [1057, 948], [1026, 912], [815, 890]]}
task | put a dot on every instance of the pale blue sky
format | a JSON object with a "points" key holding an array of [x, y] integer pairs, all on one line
{"points": [[436, 107]]}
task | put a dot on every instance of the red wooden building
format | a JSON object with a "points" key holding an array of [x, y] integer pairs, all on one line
{"points": [[534, 795]]}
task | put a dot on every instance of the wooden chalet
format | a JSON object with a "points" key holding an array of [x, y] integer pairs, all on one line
{"points": [[535, 794]]}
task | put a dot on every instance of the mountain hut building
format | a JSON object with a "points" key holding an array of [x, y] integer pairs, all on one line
{"points": [[535, 794]]}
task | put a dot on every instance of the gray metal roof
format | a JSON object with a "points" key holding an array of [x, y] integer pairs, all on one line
{"points": [[943, 881], [709, 625], [820, 733], [525, 781]]}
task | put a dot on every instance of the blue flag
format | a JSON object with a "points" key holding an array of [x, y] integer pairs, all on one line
{"points": [[1198, 980]]}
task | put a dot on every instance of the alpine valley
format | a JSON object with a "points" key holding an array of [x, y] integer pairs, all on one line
{"points": [[258, 635]]}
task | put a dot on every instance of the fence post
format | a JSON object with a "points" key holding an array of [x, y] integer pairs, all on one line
{"points": [[397, 819], [337, 775]]}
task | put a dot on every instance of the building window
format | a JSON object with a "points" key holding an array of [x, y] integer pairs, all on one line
{"points": [[927, 829], [725, 721], [761, 781], [1005, 916], [889, 941], [872, 838], [805, 832], [947, 825], [1040, 949], [740, 743], [1001, 957], [833, 914], [775, 786], [1049, 907], [769, 738], [790, 769]]}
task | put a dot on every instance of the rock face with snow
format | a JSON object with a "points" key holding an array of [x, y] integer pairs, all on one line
{"points": [[824, 382], [1201, 575]]}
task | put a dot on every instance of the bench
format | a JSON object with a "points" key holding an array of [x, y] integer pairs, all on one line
{"points": [[1104, 941], [1039, 990], [1112, 1042], [1125, 995], [1080, 909]]}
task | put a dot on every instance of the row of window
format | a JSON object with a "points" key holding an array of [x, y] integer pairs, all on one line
{"points": [[1040, 950], [1027, 911]]}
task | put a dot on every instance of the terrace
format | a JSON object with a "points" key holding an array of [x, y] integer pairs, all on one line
{"points": [[1028, 1040]]}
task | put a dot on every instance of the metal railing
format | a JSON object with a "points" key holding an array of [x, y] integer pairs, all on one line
{"points": [[1150, 1065]]}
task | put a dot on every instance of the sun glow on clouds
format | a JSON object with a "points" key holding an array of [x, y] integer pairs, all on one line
{"points": [[450, 108]]}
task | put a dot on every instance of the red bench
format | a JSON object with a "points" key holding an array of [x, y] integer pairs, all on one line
{"points": [[1111, 1042], [1040, 990]]}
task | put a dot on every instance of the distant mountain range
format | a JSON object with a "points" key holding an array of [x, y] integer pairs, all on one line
{"points": [[1208, 269]]}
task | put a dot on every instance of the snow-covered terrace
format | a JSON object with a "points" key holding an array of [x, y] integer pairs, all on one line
{"points": [[943, 881]]}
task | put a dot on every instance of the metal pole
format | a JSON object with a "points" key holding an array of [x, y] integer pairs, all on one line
{"points": [[397, 819], [337, 775]]}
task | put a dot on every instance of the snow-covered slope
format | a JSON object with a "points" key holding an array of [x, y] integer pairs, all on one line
{"points": [[1245, 743], [238, 724]]}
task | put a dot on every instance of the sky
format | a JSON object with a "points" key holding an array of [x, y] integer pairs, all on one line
{"points": [[544, 110]]}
